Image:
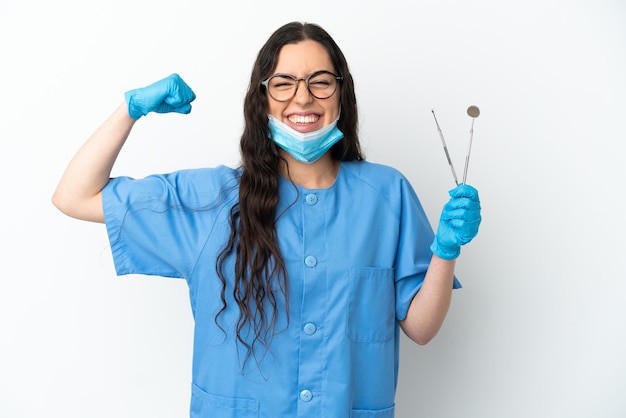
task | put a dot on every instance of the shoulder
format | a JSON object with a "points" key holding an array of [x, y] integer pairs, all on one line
{"points": [[202, 184], [378, 176], [189, 185], [377, 182], [215, 177]]}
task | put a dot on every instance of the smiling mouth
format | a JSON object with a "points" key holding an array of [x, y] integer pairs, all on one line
{"points": [[303, 120]]}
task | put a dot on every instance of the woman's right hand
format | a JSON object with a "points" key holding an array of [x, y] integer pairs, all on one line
{"points": [[79, 192], [170, 94]]}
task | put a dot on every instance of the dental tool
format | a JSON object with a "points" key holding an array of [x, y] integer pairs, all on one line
{"points": [[445, 148], [473, 112]]}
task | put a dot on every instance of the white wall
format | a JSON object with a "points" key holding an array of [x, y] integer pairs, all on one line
{"points": [[539, 329]]}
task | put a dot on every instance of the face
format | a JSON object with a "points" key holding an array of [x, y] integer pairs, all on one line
{"points": [[303, 112]]}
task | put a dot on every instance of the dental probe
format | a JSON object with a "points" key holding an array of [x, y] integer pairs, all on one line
{"points": [[445, 148]]}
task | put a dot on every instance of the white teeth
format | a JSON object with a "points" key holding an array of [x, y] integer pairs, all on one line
{"points": [[303, 119]]}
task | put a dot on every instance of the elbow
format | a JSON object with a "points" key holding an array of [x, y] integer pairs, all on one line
{"points": [[62, 203], [72, 207], [422, 339], [87, 210], [58, 201], [79, 199], [420, 336]]}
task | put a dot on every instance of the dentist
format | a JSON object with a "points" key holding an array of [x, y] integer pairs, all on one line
{"points": [[304, 263]]}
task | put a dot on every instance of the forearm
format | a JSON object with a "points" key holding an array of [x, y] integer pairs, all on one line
{"points": [[430, 305], [78, 193]]}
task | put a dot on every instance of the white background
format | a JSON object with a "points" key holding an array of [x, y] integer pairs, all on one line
{"points": [[539, 329]]}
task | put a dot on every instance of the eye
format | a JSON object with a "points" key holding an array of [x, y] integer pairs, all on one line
{"points": [[322, 81], [282, 83], [319, 83]]}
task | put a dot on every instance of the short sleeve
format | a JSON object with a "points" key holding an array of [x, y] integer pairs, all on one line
{"points": [[414, 254], [158, 225]]}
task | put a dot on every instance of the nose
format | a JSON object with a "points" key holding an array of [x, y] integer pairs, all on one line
{"points": [[303, 95]]}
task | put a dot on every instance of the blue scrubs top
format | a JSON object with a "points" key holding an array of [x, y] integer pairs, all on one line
{"points": [[356, 253]]}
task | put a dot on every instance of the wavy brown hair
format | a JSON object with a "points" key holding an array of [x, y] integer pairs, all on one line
{"points": [[260, 280]]}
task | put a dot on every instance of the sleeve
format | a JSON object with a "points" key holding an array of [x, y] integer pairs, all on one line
{"points": [[414, 254], [159, 224]]}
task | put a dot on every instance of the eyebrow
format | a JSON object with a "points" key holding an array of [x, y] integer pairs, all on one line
{"points": [[291, 75]]}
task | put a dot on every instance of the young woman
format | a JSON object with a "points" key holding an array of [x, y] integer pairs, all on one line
{"points": [[303, 263]]}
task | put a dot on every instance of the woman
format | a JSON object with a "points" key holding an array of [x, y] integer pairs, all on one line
{"points": [[303, 263]]}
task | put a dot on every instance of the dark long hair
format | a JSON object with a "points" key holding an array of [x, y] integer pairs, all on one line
{"points": [[260, 286]]}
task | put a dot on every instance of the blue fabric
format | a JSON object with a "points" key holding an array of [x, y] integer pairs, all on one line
{"points": [[356, 254]]}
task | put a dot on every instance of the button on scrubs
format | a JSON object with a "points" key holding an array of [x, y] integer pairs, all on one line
{"points": [[356, 253]]}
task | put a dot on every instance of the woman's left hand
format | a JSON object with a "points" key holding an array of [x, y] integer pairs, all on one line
{"points": [[459, 222]]}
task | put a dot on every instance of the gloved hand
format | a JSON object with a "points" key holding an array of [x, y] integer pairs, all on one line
{"points": [[459, 222], [168, 95]]}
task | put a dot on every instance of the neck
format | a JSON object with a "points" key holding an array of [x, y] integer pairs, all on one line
{"points": [[318, 175]]}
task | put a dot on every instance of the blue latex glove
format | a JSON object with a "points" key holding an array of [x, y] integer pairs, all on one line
{"points": [[459, 222], [168, 95]]}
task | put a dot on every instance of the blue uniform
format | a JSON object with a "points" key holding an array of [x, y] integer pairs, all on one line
{"points": [[356, 254]]}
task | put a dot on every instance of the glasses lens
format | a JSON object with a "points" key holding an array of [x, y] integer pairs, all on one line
{"points": [[323, 85], [282, 87]]}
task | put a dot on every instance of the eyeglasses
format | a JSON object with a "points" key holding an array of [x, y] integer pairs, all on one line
{"points": [[321, 85]]}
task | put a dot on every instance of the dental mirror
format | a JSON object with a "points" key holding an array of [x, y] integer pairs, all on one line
{"points": [[473, 112]]}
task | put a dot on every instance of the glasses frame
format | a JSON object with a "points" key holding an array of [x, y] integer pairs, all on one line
{"points": [[265, 83]]}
